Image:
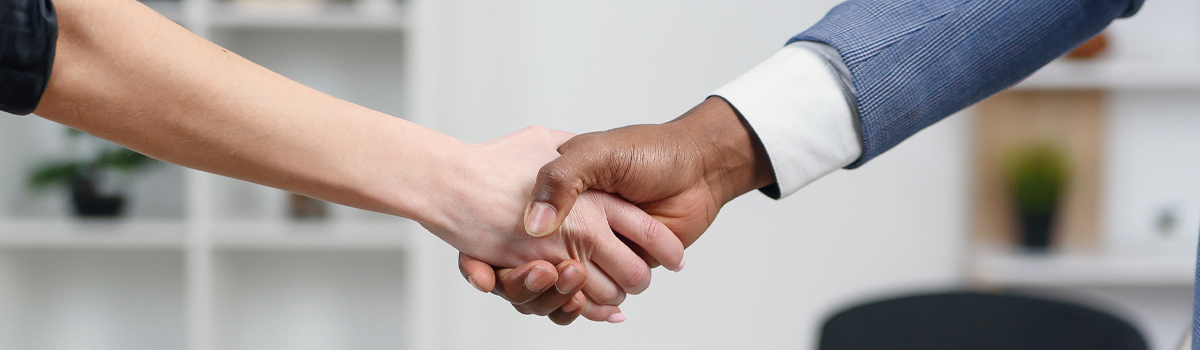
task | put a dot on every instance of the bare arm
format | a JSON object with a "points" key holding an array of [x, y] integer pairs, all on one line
{"points": [[127, 74]]}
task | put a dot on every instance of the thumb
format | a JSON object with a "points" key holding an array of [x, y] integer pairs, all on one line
{"points": [[558, 185]]}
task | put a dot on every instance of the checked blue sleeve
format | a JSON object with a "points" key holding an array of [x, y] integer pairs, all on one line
{"points": [[915, 62]]}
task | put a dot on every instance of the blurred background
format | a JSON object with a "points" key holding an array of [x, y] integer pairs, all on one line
{"points": [[1079, 185]]}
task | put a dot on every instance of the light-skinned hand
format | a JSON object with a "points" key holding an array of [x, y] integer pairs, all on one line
{"points": [[500, 175], [681, 173]]}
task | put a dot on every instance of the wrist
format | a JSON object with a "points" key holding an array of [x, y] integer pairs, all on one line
{"points": [[733, 159], [411, 175]]}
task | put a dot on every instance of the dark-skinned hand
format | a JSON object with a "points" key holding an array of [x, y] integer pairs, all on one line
{"points": [[681, 173]]}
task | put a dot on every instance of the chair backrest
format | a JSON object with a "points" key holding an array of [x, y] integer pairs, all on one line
{"points": [[978, 321]]}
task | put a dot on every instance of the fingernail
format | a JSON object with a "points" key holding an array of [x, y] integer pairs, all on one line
{"points": [[574, 305], [538, 279], [616, 318], [569, 280], [473, 284], [680, 267], [539, 220]]}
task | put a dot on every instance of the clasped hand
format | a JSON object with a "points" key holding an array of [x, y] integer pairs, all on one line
{"points": [[493, 184], [679, 173]]}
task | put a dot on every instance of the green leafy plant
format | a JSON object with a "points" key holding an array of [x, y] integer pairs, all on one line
{"points": [[66, 173], [1037, 177]]}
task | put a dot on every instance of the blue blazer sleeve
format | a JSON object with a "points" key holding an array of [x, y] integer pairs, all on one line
{"points": [[914, 62]]}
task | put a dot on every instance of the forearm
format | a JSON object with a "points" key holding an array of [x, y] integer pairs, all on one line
{"points": [[126, 74]]}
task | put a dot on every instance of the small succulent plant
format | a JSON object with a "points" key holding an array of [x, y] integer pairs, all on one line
{"points": [[1037, 177], [66, 172]]}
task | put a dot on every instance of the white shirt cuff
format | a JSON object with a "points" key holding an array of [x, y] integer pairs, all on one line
{"points": [[801, 113]]}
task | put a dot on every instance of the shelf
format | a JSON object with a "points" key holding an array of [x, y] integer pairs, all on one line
{"points": [[391, 235], [994, 267], [77, 233], [310, 300], [386, 235], [1114, 75], [320, 16]]}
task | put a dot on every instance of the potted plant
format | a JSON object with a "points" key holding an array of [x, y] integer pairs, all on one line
{"points": [[1037, 179], [96, 179]]}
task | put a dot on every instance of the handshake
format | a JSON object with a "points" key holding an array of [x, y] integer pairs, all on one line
{"points": [[588, 215], [605, 208]]}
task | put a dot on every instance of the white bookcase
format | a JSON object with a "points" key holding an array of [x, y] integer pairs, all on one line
{"points": [[217, 264], [1151, 73]]}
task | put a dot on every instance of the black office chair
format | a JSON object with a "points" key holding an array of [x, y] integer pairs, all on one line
{"points": [[977, 321]]}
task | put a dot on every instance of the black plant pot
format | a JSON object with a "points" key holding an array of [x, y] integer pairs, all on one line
{"points": [[1035, 230], [88, 203]]}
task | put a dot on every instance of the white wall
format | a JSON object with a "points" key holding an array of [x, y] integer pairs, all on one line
{"points": [[1153, 169], [1152, 166], [767, 271]]}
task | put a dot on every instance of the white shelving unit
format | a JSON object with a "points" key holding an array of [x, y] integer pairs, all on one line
{"points": [[1138, 270], [1010, 268], [231, 271], [66, 234], [1151, 71]]}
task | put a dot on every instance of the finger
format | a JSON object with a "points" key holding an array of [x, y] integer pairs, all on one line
{"points": [[602, 313], [558, 185], [648, 233], [641, 253], [569, 311], [571, 279], [524, 283], [479, 274], [572, 275], [601, 288], [620, 264]]}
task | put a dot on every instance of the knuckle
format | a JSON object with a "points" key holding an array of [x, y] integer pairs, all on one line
{"points": [[556, 176], [609, 297], [540, 131], [553, 172], [636, 278], [651, 229]]}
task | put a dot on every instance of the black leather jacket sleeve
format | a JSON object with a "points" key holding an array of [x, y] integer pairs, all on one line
{"points": [[28, 33]]}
